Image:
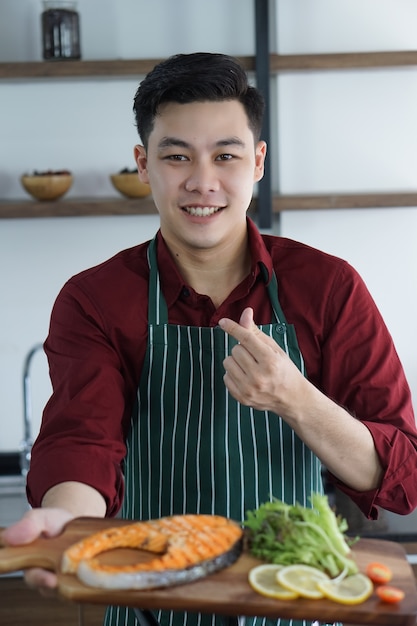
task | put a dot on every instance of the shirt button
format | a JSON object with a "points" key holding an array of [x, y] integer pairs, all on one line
{"points": [[280, 329], [185, 292]]}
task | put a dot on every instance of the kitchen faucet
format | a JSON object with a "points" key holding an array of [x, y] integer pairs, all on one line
{"points": [[27, 441]]}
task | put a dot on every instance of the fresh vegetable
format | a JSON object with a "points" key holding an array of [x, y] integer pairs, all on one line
{"points": [[390, 594], [289, 534], [379, 573]]}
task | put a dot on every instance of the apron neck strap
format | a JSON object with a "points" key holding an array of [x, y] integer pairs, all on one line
{"points": [[272, 288], [158, 310]]}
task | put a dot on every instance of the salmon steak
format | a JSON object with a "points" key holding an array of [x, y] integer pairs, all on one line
{"points": [[188, 547]]}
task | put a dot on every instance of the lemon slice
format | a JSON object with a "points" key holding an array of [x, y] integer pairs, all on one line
{"points": [[263, 579], [302, 579], [350, 590]]}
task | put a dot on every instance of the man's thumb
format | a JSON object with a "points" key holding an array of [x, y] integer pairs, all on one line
{"points": [[246, 319]]}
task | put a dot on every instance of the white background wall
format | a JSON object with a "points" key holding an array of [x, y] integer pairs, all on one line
{"points": [[334, 131]]}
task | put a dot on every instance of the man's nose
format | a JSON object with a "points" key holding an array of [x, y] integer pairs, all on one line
{"points": [[202, 177]]}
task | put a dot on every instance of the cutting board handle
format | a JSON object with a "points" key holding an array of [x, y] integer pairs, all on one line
{"points": [[46, 552], [35, 554]]}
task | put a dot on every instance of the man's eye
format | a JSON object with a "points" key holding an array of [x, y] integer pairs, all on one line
{"points": [[224, 157], [176, 157]]}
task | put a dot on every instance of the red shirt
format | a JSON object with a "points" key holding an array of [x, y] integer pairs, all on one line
{"points": [[97, 341]]}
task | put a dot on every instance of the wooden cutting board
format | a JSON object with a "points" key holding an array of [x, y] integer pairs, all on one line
{"points": [[226, 592]]}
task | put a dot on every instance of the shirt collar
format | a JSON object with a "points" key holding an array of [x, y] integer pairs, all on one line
{"points": [[173, 284]]}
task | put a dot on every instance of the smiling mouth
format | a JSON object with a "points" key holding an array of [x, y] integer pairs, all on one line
{"points": [[201, 211]]}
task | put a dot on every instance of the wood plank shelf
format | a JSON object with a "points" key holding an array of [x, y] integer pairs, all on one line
{"points": [[86, 69], [316, 202], [342, 61], [79, 207], [76, 207], [137, 67]]}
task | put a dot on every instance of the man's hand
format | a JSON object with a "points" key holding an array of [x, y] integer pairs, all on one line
{"points": [[258, 372], [261, 375], [35, 523], [60, 504]]}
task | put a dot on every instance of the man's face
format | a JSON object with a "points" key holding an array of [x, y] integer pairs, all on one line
{"points": [[201, 163]]}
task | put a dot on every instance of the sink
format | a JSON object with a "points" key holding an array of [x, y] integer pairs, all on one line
{"points": [[13, 502]]}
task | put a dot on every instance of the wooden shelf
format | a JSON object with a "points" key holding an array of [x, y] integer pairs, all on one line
{"points": [[86, 69], [316, 202], [137, 67], [76, 207], [79, 207], [342, 61]]}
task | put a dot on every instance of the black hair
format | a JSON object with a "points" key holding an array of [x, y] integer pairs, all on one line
{"points": [[196, 77]]}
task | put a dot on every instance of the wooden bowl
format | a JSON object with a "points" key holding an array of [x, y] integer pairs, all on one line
{"points": [[129, 185], [47, 186]]}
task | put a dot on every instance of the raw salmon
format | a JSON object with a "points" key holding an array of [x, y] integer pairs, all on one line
{"points": [[188, 547]]}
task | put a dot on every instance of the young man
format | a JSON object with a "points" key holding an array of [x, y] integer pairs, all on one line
{"points": [[213, 368]]}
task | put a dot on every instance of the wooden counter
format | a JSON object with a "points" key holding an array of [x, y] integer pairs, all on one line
{"points": [[411, 548], [21, 606]]}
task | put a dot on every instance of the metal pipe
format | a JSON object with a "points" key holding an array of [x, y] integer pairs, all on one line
{"points": [[27, 442]]}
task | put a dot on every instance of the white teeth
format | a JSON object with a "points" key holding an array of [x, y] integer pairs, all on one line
{"points": [[201, 211]]}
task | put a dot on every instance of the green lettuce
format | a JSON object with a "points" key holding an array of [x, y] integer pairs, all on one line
{"points": [[287, 534]]}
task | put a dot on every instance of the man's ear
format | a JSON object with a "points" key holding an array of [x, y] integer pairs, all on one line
{"points": [[260, 156], [139, 153]]}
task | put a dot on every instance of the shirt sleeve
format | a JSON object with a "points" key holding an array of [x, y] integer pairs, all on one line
{"points": [[362, 372], [82, 433]]}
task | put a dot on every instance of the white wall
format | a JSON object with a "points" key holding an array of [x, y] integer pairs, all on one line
{"points": [[345, 131], [87, 127], [355, 131]]}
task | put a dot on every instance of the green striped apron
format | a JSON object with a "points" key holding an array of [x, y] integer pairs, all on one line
{"points": [[192, 448]]}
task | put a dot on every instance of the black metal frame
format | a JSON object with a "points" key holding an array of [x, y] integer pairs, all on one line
{"points": [[262, 69]]}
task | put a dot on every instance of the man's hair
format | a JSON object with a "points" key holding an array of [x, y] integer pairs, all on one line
{"points": [[197, 77]]}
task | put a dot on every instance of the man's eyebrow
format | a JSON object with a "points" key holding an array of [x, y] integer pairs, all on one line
{"points": [[231, 141], [169, 142]]}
